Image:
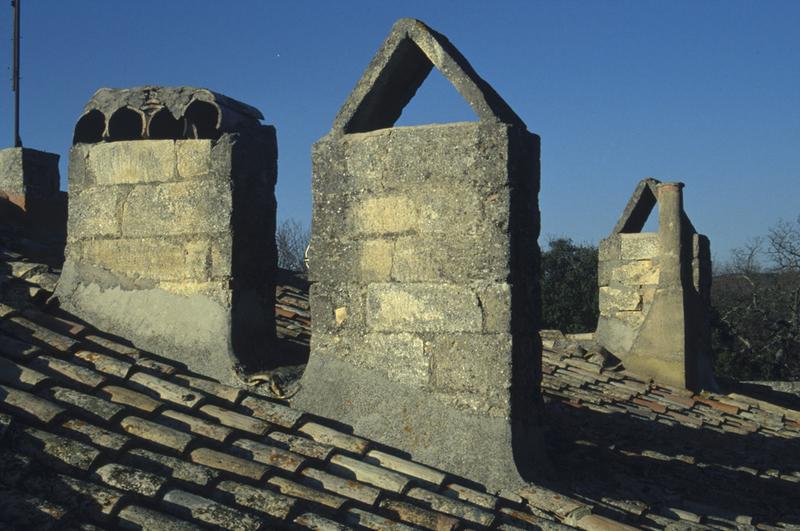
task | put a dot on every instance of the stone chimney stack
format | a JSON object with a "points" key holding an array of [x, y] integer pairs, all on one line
{"points": [[655, 291], [171, 226], [423, 264], [29, 192]]}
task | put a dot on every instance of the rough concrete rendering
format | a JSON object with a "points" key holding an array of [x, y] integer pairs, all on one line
{"points": [[29, 188], [655, 291], [171, 241], [423, 265]]}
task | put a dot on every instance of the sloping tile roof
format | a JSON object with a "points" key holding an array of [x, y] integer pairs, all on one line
{"points": [[97, 434], [648, 454]]}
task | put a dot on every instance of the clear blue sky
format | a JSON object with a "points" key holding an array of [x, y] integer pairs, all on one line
{"points": [[703, 92]]}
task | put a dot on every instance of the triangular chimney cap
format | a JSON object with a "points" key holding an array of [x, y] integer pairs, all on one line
{"points": [[639, 207], [399, 68]]}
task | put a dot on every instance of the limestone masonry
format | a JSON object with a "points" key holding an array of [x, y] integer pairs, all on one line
{"points": [[29, 184], [423, 266], [171, 240], [655, 291]]}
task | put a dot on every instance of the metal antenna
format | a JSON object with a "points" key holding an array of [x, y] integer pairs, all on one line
{"points": [[15, 74]]}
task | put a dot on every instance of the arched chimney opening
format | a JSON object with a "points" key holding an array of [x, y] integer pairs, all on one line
{"points": [[125, 124], [90, 128], [164, 126], [201, 120]]}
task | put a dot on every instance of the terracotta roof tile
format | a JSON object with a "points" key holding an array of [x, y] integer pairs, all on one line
{"points": [[165, 390], [268, 455], [66, 371], [61, 452], [198, 426], [456, 508], [208, 511], [159, 434], [482, 499], [370, 474], [300, 445], [95, 435], [137, 517], [259, 499], [404, 466], [17, 401], [165, 369], [326, 435], [30, 332], [171, 467], [110, 345], [418, 516], [273, 412], [368, 520], [17, 375], [128, 397], [228, 463], [105, 363], [318, 523], [236, 420], [291, 488], [338, 485], [225, 392], [130, 479]]}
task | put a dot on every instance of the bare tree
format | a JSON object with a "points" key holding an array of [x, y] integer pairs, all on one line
{"points": [[784, 245], [292, 238], [757, 308]]}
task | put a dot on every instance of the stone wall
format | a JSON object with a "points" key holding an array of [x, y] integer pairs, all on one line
{"points": [[423, 264], [655, 291], [30, 197], [171, 244]]}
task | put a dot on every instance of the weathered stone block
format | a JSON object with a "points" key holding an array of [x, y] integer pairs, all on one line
{"points": [[78, 161], [193, 158], [452, 259], [423, 308], [375, 260], [620, 298], [401, 356], [338, 307], [604, 270], [221, 258], [609, 248], [473, 364], [178, 208], [635, 273], [151, 258], [385, 215], [495, 302], [148, 161], [96, 212], [639, 246]]}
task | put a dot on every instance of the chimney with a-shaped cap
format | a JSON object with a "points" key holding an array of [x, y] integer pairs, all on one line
{"points": [[423, 263], [655, 291]]}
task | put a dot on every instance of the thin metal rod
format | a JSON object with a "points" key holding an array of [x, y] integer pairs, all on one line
{"points": [[15, 76]]}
